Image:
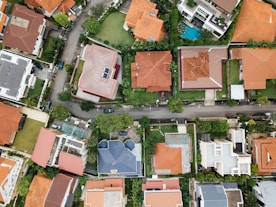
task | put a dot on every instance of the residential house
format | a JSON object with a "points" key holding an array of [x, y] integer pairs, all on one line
{"points": [[116, 158], [162, 193], [256, 66], [263, 151], [178, 147], [50, 7], [151, 70], [16, 76], [212, 15], [10, 118], [256, 22], [220, 155], [143, 20], [99, 73], [4, 19], [59, 150], [58, 192], [237, 137], [10, 168], [105, 193], [201, 67], [218, 195], [265, 192], [25, 31]]}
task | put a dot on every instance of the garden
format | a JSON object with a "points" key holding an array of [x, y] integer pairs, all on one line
{"points": [[25, 139], [234, 72], [223, 93], [51, 49]]}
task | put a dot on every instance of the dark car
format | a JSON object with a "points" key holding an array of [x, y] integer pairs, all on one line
{"points": [[39, 66], [60, 65], [122, 133], [108, 110]]}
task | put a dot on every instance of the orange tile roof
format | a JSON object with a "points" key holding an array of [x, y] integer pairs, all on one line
{"points": [[151, 70], [142, 17], [37, 191], [65, 163], [201, 67], [3, 4], [170, 184], [95, 191], [23, 30], [66, 5], [2, 21], [48, 5], [163, 199], [10, 117], [258, 66], [43, 146], [6, 166], [264, 155], [163, 161], [256, 21], [91, 81]]}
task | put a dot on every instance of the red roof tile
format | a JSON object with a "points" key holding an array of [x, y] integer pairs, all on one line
{"points": [[71, 163], [43, 146], [23, 29], [10, 117]]}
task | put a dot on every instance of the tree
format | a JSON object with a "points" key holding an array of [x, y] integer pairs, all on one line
{"points": [[251, 200], [92, 26], [69, 68], [51, 172], [97, 10], [92, 141], [64, 96], [60, 112], [254, 170], [263, 100], [86, 106], [92, 155], [144, 122], [62, 19], [23, 186], [205, 35], [113, 122], [125, 83], [205, 126], [175, 105]]}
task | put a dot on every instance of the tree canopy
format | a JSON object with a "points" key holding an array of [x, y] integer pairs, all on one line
{"points": [[175, 105], [61, 19], [113, 122], [64, 96], [60, 112], [144, 122], [92, 26]]}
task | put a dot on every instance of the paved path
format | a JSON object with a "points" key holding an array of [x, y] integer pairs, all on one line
{"points": [[35, 114]]}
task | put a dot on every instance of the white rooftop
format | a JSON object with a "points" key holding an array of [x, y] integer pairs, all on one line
{"points": [[237, 92]]}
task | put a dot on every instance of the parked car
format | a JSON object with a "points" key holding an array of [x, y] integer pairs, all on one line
{"points": [[48, 105], [39, 66], [108, 110], [55, 126], [60, 65], [122, 133]]}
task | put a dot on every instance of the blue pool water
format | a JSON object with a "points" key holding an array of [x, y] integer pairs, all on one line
{"points": [[191, 33]]}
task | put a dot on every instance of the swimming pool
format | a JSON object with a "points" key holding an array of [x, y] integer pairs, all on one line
{"points": [[191, 33]]}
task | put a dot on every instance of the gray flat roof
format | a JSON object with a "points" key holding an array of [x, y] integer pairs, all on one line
{"points": [[213, 195], [268, 190]]}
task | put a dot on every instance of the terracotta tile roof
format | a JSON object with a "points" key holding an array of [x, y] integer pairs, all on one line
{"points": [[23, 29], [95, 191], [58, 190], [6, 166], [96, 59], [142, 17], [10, 117], [3, 4], [65, 163], [37, 191], [257, 66], [228, 5], [264, 155], [2, 21], [43, 146], [151, 70], [66, 5], [201, 67], [48, 5], [256, 21], [163, 161], [168, 195], [171, 184]]}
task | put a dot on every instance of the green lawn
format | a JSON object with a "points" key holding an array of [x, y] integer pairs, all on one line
{"points": [[112, 30], [234, 71], [25, 139], [190, 95], [36, 91], [270, 90], [142, 97], [78, 73], [222, 94]]}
